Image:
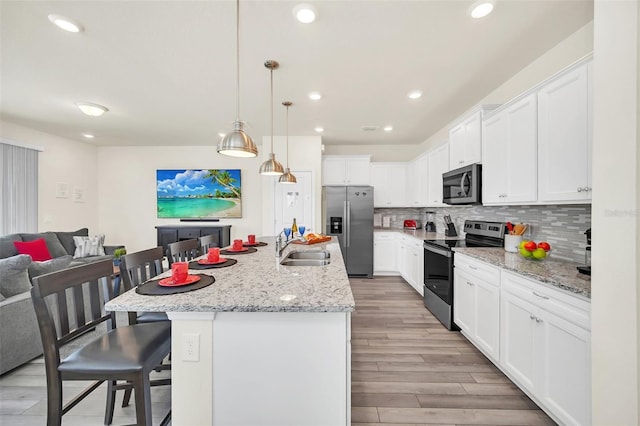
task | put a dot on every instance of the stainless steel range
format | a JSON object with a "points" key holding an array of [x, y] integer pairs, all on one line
{"points": [[438, 265]]}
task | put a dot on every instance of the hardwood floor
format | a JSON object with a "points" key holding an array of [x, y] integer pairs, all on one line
{"points": [[407, 369]]}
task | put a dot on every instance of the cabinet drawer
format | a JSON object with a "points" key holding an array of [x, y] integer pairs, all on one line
{"points": [[384, 236], [570, 308], [188, 233], [488, 273]]}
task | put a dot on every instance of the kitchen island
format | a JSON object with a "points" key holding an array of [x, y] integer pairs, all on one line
{"points": [[264, 344]]}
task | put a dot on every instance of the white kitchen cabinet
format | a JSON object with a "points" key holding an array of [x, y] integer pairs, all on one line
{"points": [[437, 164], [389, 181], [417, 181], [411, 261], [465, 139], [345, 170], [476, 303], [564, 137], [509, 151], [385, 253], [545, 346]]}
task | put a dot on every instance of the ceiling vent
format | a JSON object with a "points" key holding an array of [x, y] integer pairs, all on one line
{"points": [[369, 128]]}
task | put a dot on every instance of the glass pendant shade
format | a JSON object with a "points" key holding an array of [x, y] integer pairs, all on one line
{"points": [[237, 143], [271, 167], [287, 177]]}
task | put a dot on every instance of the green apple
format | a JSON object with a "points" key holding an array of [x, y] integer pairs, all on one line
{"points": [[522, 243], [526, 253], [539, 253]]}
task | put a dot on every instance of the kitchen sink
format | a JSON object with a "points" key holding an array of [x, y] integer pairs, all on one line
{"points": [[309, 254], [307, 258]]}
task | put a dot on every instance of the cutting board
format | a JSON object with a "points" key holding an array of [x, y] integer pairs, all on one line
{"points": [[315, 241]]}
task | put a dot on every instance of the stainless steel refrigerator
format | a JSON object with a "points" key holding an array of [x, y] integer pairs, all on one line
{"points": [[348, 214]]}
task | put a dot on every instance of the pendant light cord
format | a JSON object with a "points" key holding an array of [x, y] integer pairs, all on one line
{"points": [[287, 136], [272, 110], [238, 59]]}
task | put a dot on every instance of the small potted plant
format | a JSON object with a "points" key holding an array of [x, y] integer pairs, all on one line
{"points": [[117, 253]]}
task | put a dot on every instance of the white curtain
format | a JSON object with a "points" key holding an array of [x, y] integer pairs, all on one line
{"points": [[18, 189]]}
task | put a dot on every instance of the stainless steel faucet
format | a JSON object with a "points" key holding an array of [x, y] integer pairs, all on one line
{"points": [[280, 246]]}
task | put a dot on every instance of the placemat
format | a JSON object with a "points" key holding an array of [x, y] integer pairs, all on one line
{"points": [[196, 265], [151, 288], [257, 244], [233, 253]]}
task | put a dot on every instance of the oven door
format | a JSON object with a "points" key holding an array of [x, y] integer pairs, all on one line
{"points": [[438, 272]]}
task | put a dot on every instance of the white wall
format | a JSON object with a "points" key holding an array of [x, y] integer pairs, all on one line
{"points": [[378, 152], [127, 206], [62, 161], [305, 154], [615, 329]]}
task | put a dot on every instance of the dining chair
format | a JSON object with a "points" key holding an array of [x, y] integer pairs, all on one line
{"points": [[208, 241], [70, 303], [135, 269], [183, 251]]}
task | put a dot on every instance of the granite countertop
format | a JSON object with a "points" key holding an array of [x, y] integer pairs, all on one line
{"points": [[420, 234], [256, 284], [557, 273]]}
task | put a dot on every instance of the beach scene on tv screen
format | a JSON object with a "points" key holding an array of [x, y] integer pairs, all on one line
{"points": [[206, 193]]}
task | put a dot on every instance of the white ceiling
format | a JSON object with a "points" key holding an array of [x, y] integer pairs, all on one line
{"points": [[166, 69]]}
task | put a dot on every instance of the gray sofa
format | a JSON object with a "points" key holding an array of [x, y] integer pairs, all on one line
{"points": [[19, 334]]}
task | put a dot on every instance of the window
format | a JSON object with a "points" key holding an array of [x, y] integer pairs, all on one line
{"points": [[18, 188]]}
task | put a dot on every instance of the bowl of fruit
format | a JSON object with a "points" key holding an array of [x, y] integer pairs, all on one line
{"points": [[534, 251]]}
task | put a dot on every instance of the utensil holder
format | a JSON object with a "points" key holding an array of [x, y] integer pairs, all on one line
{"points": [[512, 242], [450, 230]]}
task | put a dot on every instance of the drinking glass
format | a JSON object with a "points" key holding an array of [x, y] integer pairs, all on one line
{"points": [[301, 229], [287, 233]]}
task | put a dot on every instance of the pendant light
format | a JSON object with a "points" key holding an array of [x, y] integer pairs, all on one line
{"points": [[237, 143], [271, 167], [287, 177]]}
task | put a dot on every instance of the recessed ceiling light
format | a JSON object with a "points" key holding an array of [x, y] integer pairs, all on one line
{"points": [[93, 110], [65, 23], [305, 13], [88, 135], [319, 129], [387, 128], [416, 94], [315, 96], [481, 8]]}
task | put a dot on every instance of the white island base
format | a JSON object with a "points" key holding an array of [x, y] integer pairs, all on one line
{"points": [[261, 368]]}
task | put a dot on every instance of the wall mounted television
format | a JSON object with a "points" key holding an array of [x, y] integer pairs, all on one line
{"points": [[199, 193]]}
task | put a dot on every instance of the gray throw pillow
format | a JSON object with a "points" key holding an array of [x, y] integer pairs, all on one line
{"points": [[7, 249], [13, 275], [56, 249], [56, 264], [66, 238]]}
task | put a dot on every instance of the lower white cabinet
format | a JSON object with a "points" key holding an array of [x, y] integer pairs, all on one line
{"points": [[476, 303], [415, 267], [545, 342], [385, 253]]}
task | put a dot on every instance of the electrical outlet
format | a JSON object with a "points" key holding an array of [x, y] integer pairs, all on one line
{"points": [[191, 347]]}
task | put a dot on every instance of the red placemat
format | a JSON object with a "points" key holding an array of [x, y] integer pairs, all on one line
{"points": [[256, 244], [152, 288], [247, 251], [195, 265]]}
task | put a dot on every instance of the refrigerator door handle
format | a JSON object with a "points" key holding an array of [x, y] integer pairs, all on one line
{"points": [[348, 220]]}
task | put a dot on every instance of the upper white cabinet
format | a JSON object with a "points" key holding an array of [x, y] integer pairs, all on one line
{"points": [[345, 169], [389, 181], [509, 153], [418, 181], [465, 139], [564, 137], [437, 164]]}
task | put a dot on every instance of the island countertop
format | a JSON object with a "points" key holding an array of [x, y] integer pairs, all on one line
{"points": [[560, 274], [256, 284]]}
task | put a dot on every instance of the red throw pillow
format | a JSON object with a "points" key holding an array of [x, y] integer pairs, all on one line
{"points": [[37, 249]]}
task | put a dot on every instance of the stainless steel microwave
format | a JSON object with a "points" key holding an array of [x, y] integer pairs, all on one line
{"points": [[463, 185]]}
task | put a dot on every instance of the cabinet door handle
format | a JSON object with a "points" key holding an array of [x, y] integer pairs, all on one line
{"points": [[538, 320], [461, 161], [579, 189], [473, 267], [531, 316], [469, 283], [542, 296]]}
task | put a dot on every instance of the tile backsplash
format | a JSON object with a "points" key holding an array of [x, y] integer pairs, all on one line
{"points": [[563, 226]]}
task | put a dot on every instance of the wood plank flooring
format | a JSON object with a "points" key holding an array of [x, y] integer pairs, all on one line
{"points": [[407, 369]]}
